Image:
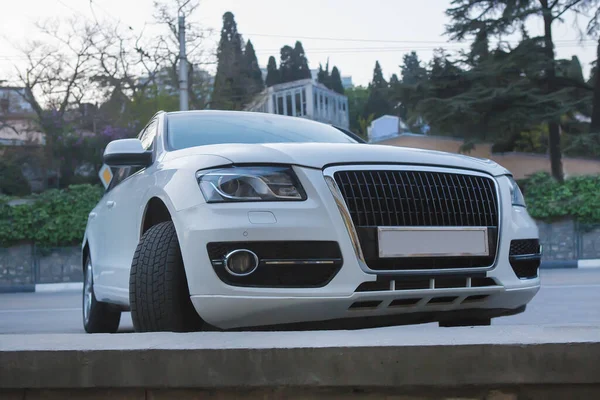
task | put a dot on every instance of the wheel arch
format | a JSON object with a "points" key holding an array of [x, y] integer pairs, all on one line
{"points": [[155, 212], [85, 252]]}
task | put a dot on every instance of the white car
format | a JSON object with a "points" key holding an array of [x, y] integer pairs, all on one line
{"points": [[228, 220]]}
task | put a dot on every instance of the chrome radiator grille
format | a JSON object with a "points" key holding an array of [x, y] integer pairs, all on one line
{"points": [[408, 198], [418, 198]]}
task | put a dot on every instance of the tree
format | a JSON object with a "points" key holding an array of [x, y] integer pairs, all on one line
{"points": [[252, 72], [323, 76], [301, 70], [403, 92], [293, 65], [163, 48], [595, 125], [336, 81], [273, 76], [378, 103], [412, 70], [286, 64], [229, 91], [497, 18], [56, 77], [357, 101]]}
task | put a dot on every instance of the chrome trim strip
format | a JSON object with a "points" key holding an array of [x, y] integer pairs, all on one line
{"points": [[298, 261], [341, 203], [345, 213], [525, 257]]}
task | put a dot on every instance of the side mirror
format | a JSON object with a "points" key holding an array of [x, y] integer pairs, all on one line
{"points": [[127, 153]]}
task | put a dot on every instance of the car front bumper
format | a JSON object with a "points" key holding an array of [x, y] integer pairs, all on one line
{"points": [[319, 219]]}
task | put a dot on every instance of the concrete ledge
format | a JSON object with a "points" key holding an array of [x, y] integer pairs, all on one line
{"points": [[482, 357], [58, 287], [24, 288], [588, 263], [562, 264], [545, 392]]}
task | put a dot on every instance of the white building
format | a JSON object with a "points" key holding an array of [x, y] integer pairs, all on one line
{"points": [[385, 127], [13, 100], [346, 80], [304, 98]]}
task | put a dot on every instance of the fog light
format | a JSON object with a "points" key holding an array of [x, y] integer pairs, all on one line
{"points": [[241, 262]]}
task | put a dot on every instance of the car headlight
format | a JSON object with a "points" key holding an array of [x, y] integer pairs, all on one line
{"points": [[515, 193], [250, 184]]}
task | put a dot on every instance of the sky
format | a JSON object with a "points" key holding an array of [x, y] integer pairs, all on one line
{"points": [[353, 34]]}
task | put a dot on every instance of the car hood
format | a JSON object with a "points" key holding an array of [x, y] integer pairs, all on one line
{"points": [[321, 155]]}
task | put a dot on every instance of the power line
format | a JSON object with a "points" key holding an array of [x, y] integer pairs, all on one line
{"points": [[374, 40], [118, 20], [387, 49], [74, 10]]}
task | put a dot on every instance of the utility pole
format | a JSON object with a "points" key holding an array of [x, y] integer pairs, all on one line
{"points": [[183, 74]]}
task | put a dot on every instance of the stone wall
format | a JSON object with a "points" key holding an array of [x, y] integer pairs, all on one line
{"points": [[59, 265], [25, 264], [589, 242], [17, 265], [559, 240]]}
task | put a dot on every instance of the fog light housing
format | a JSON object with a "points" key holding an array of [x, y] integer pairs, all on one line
{"points": [[241, 262]]}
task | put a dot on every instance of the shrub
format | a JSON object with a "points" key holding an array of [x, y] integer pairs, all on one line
{"points": [[577, 197], [53, 218]]}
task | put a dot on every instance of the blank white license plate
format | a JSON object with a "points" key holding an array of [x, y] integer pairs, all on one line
{"points": [[432, 241]]}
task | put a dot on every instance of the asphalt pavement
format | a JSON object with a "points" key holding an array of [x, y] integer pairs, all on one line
{"points": [[568, 297]]}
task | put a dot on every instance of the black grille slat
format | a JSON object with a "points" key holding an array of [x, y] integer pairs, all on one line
{"points": [[479, 213], [418, 198], [487, 203], [410, 210], [438, 186], [435, 210], [492, 195], [448, 195], [349, 183], [393, 192], [457, 199], [424, 209], [468, 211]]}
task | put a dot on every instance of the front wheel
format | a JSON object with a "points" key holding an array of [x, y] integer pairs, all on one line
{"points": [[158, 288], [98, 317]]}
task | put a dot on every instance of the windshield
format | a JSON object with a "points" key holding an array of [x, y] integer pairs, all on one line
{"points": [[200, 129]]}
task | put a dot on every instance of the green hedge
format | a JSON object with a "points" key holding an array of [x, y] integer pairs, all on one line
{"points": [[58, 217], [54, 218], [577, 197]]}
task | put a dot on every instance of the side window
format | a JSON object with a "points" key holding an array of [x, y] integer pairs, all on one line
{"points": [[148, 135], [119, 175]]}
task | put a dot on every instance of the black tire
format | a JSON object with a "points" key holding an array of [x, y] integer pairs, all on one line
{"points": [[100, 317], [466, 322], [158, 290]]}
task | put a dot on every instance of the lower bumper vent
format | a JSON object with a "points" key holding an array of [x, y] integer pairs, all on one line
{"points": [[525, 257]]}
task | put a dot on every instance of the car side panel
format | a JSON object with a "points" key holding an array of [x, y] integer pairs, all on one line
{"points": [[123, 230]]}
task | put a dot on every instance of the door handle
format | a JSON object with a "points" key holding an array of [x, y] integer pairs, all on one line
{"points": [[110, 204], [92, 215]]}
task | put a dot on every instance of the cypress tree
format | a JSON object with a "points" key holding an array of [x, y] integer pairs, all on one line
{"points": [[273, 76], [377, 103], [300, 63], [323, 75], [336, 81], [286, 64], [229, 92], [254, 82]]}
